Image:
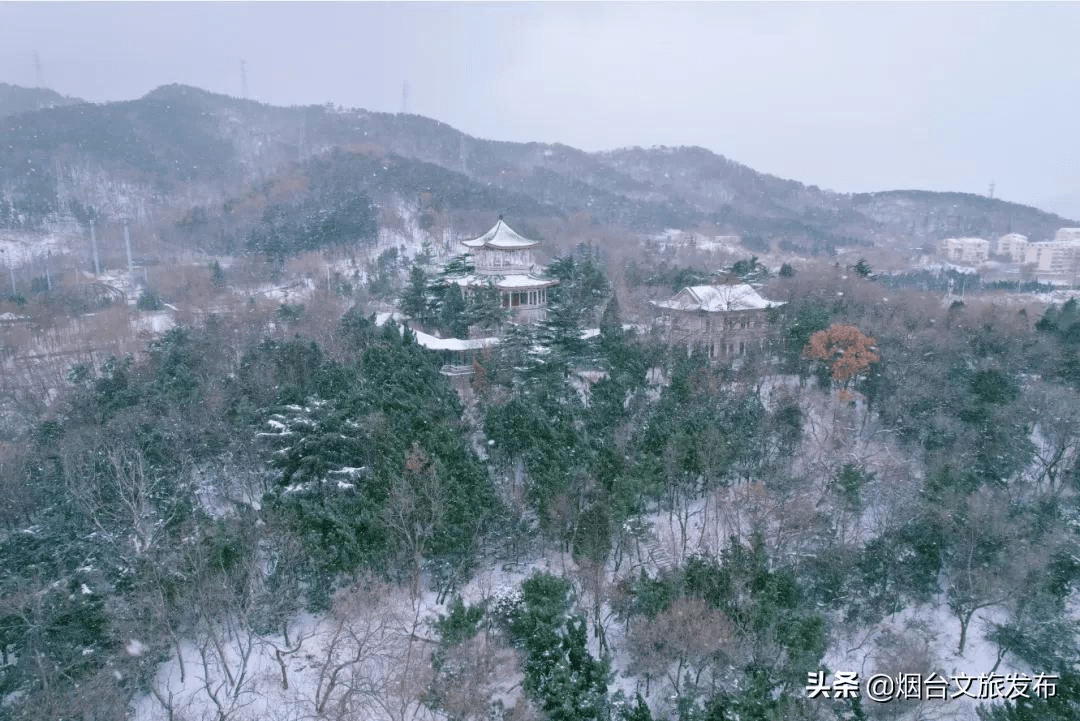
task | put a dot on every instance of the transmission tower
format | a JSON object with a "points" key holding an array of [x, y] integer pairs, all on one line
{"points": [[405, 96], [93, 246], [243, 79], [127, 247], [991, 193], [37, 71]]}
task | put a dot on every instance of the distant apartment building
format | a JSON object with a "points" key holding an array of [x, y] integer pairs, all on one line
{"points": [[966, 250], [1012, 246], [1067, 235], [1060, 255], [1053, 256]]}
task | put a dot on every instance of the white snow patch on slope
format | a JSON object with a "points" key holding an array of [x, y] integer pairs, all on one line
{"points": [[19, 248]]}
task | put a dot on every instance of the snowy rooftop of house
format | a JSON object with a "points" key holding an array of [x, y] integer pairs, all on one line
{"points": [[503, 237], [717, 298], [432, 343], [508, 282]]}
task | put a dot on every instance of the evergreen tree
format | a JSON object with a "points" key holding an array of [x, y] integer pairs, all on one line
{"points": [[516, 359], [217, 275], [568, 683], [750, 270], [611, 328], [452, 315], [458, 265], [1064, 705], [414, 301], [638, 712], [485, 308], [562, 333], [582, 284]]}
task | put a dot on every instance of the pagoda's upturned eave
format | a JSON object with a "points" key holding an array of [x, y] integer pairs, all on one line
{"points": [[477, 243], [524, 282], [501, 237]]}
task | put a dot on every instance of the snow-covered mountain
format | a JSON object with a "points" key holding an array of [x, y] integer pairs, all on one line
{"points": [[179, 142]]}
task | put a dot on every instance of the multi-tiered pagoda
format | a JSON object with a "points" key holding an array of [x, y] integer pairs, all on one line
{"points": [[503, 257]]}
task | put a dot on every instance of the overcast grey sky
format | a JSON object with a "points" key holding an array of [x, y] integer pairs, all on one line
{"points": [[847, 96]]}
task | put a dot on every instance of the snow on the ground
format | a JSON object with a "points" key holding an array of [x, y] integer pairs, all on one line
{"points": [[943, 267], [19, 248], [370, 655], [720, 243], [1056, 297], [294, 292], [383, 317], [156, 323], [690, 240], [923, 639], [379, 638]]}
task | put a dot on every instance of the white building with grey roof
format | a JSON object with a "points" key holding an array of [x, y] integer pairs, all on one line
{"points": [[726, 320]]}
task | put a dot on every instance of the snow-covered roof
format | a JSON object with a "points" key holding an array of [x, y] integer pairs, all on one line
{"points": [[432, 343], [717, 298], [506, 282], [511, 282], [502, 236]]}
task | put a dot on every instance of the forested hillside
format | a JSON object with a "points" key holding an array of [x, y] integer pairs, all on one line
{"points": [[15, 99], [181, 142], [234, 486], [267, 521]]}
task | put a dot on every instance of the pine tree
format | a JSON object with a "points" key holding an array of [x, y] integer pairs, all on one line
{"points": [[458, 265], [560, 673], [562, 330], [452, 315], [414, 301], [638, 712], [485, 308], [611, 321]]}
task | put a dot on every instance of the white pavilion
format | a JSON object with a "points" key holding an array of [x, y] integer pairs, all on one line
{"points": [[503, 257]]}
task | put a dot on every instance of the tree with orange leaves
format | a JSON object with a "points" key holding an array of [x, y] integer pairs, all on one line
{"points": [[849, 352]]}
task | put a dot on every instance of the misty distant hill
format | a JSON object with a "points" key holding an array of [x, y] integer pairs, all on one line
{"points": [[15, 99], [920, 214], [177, 138]]}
